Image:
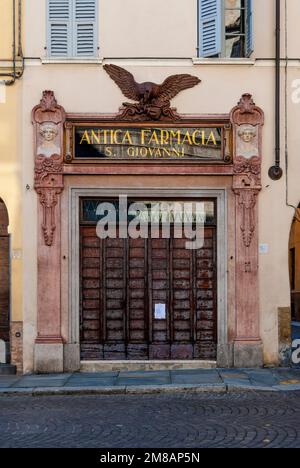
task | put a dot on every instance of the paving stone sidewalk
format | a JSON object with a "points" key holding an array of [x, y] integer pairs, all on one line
{"points": [[194, 380]]}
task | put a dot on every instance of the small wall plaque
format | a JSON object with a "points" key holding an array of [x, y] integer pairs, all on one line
{"points": [[160, 312]]}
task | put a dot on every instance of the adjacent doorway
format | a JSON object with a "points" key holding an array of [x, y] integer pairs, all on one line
{"points": [[294, 263], [4, 276]]}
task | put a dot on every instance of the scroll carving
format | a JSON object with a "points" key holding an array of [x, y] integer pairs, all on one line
{"points": [[48, 110], [246, 112], [247, 120], [49, 199], [247, 200]]}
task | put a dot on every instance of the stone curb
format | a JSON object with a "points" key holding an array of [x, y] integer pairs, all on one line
{"points": [[231, 388], [287, 388], [120, 390], [52, 391], [175, 388], [143, 389]]}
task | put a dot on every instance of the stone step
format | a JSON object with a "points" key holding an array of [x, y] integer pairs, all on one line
{"points": [[107, 366], [7, 369]]}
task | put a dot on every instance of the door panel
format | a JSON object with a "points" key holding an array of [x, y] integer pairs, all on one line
{"points": [[113, 298], [159, 293], [90, 316], [137, 303], [127, 283]]}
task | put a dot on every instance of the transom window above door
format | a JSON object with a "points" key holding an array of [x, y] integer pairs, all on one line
{"points": [[72, 28], [225, 28]]}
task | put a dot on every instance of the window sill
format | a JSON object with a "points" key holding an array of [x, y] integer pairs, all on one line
{"points": [[223, 61], [72, 61]]}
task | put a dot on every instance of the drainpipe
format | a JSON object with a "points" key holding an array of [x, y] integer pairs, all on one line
{"points": [[275, 172], [16, 74], [20, 51]]}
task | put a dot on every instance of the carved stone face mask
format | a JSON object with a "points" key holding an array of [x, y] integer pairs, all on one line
{"points": [[247, 135], [48, 133]]}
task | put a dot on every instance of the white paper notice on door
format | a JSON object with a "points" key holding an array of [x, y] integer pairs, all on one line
{"points": [[160, 312]]}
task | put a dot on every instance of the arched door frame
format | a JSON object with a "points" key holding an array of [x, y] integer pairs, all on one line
{"points": [[5, 312]]}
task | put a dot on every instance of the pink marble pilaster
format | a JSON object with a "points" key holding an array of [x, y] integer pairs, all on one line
{"points": [[247, 120], [48, 119]]}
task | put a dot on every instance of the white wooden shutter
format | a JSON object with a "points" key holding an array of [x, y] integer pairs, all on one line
{"points": [[59, 28], [249, 28], [210, 21], [85, 31]]}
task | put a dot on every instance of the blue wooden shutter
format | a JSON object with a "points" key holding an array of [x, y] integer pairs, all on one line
{"points": [[210, 23], [59, 28], [249, 28], [85, 31]]}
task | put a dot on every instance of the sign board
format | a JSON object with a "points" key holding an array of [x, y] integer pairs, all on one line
{"points": [[118, 142]]}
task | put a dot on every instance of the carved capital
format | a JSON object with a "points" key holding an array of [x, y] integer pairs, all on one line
{"points": [[247, 120], [48, 119]]}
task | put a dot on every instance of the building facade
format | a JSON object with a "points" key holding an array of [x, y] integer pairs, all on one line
{"points": [[207, 135], [11, 267]]}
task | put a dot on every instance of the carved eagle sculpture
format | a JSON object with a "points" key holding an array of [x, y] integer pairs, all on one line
{"points": [[150, 95]]}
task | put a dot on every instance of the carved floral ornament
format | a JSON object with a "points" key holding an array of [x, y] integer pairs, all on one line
{"points": [[45, 166]]}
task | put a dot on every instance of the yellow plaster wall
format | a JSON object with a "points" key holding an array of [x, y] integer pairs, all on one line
{"points": [[10, 158], [6, 28]]}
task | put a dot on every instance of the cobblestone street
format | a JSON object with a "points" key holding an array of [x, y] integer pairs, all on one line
{"points": [[153, 421]]}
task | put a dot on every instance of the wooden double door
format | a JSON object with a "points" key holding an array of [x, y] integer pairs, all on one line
{"points": [[147, 298]]}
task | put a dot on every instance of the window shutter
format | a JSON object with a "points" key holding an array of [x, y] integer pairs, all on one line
{"points": [[85, 28], [249, 28], [59, 28], [210, 21]]}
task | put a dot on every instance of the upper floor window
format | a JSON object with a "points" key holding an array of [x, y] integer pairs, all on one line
{"points": [[72, 28], [225, 28]]}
